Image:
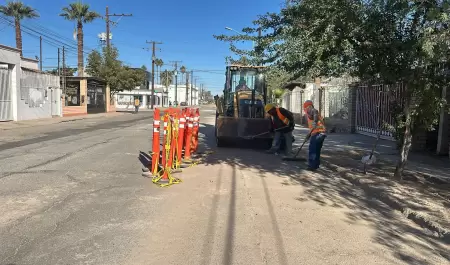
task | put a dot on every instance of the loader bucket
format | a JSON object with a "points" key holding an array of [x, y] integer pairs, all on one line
{"points": [[232, 128]]}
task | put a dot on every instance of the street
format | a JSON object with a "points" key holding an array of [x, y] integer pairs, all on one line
{"points": [[73, 193]]}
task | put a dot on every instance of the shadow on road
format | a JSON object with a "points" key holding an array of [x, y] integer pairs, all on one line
{"points": [[406, 241]]}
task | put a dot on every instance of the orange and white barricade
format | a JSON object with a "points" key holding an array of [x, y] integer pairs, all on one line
{"points": [[179, 143]]}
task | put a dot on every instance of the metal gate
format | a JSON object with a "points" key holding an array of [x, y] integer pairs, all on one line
{"points": [[96, 97], [375, 106], [5, 96]]}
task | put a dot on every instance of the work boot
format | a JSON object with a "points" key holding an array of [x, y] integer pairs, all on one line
{"points": [[272, 151]]}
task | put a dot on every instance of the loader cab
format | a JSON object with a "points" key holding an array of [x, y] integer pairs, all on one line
{"points": [[245, 92]]}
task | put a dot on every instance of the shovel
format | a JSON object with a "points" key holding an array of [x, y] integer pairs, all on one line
{"points": [[249, 137]]}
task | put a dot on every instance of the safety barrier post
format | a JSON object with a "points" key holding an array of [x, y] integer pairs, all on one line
{"points": [[181, 139], [187, 147], [196, 126], [166, 179], [155, 142], [165, 122], [174, 163]]}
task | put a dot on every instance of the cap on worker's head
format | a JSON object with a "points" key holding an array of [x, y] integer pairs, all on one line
{"points": [[268, 107], [307, 104]]}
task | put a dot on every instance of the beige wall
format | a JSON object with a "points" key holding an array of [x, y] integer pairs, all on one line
{"points": [[83, 92]]}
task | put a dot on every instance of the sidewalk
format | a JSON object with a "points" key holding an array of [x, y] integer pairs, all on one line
{"points": [[42, 122], [438, 167], [424, 197]]}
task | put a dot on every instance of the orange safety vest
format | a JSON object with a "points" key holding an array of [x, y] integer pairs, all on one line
{"points": [[282, 117], [320, 126]]}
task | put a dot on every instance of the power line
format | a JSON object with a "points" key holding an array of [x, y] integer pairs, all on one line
{"points": [[55, 34], [46, 38]]}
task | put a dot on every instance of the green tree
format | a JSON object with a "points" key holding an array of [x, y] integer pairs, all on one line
{"points": [[377, 41], [276, 78], [166, 78], [18, 11], [68, 71], [159, 63], [243, 60], [183, 71], [81, 14], [107, 66]]}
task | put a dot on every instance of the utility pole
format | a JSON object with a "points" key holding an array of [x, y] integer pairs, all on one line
{"points": [[176, 79], [107, 15], [195, 85], [187, 89], [107, 27], [59, 70], [201, 92], [40, 52], [64, 74], [192, 85], [153, 72]]}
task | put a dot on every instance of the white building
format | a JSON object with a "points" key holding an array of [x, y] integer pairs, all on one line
{"points": [[125, 99], [25, 92], [192, 96]]}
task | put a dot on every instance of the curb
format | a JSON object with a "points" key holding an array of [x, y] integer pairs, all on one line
{"points": [[418, 218]]}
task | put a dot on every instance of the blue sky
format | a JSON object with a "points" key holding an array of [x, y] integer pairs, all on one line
{"points": [[184, 27]]}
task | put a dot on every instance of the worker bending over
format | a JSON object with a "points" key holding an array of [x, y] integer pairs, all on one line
{"points": [[316, 135], [283, 123]]}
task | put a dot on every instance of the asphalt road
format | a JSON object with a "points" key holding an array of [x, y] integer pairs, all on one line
{"points": [[73, 193]]}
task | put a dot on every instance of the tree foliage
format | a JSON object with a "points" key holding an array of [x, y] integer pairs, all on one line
{"points": [[68, 71], [107, 66], [80, 13], [167, 78], [18, 11]]}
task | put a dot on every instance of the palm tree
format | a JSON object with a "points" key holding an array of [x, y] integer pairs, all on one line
{"points": [[159, 63], [18, 11], [79, 13], [183, 71], [166, 78]]}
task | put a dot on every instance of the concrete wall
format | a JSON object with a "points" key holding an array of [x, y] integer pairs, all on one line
{"points": [[37, 92], [29, 63], [29, 87]]}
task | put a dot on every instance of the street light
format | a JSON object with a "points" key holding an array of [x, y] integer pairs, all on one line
{"points": [[230, 29]]}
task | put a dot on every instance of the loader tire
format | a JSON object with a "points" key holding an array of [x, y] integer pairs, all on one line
{"points": [[220, 142]]}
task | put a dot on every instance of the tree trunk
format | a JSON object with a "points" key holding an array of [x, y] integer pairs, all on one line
{"points": [[80, 48], [18, 36], [407, 140]]}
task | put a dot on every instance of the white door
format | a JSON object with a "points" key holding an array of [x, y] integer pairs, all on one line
{"points": [[5, 96]]}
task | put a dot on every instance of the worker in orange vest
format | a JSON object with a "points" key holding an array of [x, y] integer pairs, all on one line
{"points": [[283, 123], [316, 135]]}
